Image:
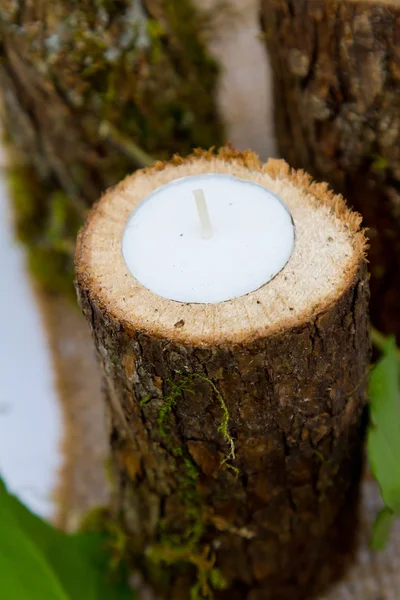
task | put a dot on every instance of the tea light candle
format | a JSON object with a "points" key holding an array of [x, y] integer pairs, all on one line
{"points": [[208, 238]]}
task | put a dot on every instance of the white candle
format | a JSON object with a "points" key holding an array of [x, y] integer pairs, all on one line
{"points": [[183, 251]]}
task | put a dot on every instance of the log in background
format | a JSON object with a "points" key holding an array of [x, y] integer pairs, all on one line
{"points": [[280, 518], [88, 91], [336, 71]]}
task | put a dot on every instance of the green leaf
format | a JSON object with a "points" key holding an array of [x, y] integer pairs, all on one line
{"points": [[24, 573], [38, 562], [382, 527], [384, 432]]}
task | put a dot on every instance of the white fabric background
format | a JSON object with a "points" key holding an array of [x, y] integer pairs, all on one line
{"points": [[30, 415]]}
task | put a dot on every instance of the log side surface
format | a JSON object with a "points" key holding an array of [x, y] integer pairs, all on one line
{"points": [[237, 458], [336, 69]]}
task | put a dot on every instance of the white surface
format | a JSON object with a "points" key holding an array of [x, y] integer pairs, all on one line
{"points": [[165, 250], [30, 417], [244, 88]]}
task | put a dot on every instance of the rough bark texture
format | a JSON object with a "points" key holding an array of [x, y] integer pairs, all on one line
{"points": [[86, 86], [295, 403], [236, 464], [337, 96]]}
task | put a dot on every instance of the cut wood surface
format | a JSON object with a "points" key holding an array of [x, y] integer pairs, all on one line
{"points": [[236, 427], [336, 68]]}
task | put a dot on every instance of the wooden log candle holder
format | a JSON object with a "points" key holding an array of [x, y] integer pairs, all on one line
{"points": [[236, 427]]}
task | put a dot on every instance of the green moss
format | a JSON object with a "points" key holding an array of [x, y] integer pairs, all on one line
{"points": [[319, 455], [177, 451], [209, 577], [145, 400], [186, 385], [54, 271], [223, 426], [170, 552], [191, 469], [50, 249], [177, 389], [379, 163], [25, 206], [100, 520], [188, 547], [156, 32]]}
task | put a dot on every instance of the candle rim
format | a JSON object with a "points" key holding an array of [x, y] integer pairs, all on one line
{"points": [[180, 180], [211, 174]]}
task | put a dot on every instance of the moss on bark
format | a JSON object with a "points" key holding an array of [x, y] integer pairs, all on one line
{"points": [[90, 91]]}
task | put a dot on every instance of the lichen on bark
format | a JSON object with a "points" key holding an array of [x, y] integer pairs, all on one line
{"points": [[90, 90]]}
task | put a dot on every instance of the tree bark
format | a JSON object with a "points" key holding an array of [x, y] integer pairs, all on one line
{"points": [[236, 428], [337, 105], [90, 91]]}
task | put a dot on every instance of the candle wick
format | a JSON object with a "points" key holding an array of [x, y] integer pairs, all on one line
{"points": [[202, 210]]}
